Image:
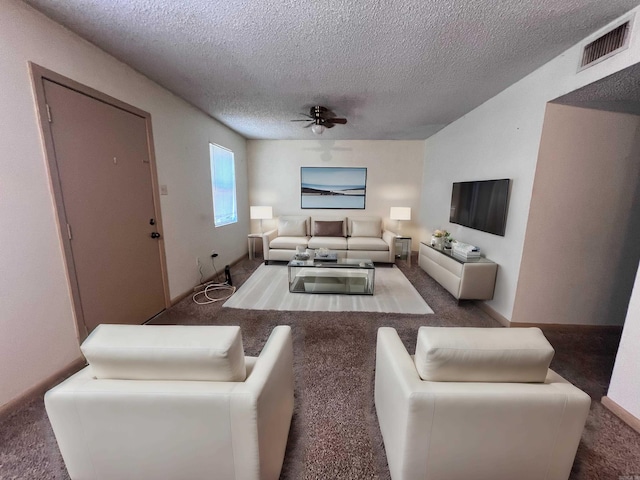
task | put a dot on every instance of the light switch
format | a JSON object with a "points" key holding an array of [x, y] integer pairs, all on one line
{"points": [[164, 190]]}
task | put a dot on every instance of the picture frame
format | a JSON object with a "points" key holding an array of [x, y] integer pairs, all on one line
{"points": [[333, 188]]}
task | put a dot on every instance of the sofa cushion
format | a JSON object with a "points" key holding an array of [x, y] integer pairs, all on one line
{"points": [[467, 354], [328, 229], [166, 352], [332, 243], [292, 227], [288, 243], [365, 228], [341, 219], [367, 243]]}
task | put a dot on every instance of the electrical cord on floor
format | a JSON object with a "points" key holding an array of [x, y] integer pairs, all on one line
{"points": [[202, 297], [212, 287]]}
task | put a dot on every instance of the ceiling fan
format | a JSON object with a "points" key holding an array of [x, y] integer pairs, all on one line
{"points": [[320, 118]]}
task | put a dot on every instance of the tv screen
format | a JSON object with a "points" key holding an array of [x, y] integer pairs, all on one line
{"points": [[480, 205]]}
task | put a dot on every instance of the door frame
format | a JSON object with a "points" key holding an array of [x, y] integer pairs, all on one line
{"points": [[38, 75]]}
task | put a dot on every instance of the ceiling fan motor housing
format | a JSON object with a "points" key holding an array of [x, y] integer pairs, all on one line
{"points": [[318, 112]]}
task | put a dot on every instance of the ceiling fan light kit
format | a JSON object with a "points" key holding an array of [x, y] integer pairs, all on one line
{"points": [[321, 118], [318, 129]]}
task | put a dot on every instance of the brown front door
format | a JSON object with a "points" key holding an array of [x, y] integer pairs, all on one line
{"points": [[102, 157]]}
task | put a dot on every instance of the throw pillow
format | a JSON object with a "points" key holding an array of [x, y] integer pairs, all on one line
{"points": [[365, 228], [328, 229], [289, 227]]}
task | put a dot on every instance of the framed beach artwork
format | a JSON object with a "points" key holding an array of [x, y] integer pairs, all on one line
{"points": [[333, 187]]}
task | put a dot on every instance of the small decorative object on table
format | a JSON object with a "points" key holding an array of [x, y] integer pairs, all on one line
{"points": [[301, 253], [438, 239]]}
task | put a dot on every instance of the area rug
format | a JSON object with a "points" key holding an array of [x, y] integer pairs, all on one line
{"points": [[268, 289]]}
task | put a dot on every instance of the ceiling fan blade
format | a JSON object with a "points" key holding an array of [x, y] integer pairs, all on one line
{"points": [[300, 120], [328, 124], [341, 121]]}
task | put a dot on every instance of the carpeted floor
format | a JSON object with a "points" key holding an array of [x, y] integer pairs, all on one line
{"points": [[335, 434]]}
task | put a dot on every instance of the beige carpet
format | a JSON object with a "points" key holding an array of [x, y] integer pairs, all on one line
{"points": [[268, 289]]}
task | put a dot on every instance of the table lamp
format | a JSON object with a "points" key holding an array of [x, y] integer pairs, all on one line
{"points": [[399, 214], [260, 213]]}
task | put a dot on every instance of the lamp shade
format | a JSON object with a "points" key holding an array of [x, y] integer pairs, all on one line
{"points": [[260, 213], [400, 213]]}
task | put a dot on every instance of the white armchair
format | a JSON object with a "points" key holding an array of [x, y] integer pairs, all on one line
{"points": [[175, 402], [476, 404]]}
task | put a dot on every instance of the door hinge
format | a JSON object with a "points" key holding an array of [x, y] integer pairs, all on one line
{"points": [[69, 231], [48, 113]]}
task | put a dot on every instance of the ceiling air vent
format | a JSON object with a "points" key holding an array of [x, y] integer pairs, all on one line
{"points": [[605, 46]]}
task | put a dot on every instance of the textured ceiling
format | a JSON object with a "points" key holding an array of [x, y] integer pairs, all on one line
{"points": [[619, 92], [395, 69]]}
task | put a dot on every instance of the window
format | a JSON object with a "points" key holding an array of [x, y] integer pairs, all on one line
{"points": [[223, 183]]}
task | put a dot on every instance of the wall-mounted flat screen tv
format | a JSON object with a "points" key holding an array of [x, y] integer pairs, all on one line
{"points": [[481, 205]]}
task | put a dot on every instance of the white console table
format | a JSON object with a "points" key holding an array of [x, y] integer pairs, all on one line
{"points": [[472, 279]]}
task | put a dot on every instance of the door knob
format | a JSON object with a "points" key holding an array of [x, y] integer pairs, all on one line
{"points": [[155, 235]]}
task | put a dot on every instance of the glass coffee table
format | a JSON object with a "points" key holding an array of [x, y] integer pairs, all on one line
{"points": [[347, 276]]}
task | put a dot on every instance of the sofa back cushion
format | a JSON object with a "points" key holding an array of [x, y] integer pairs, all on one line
{"points": [[464, 354], [365, 227], [329, 227], [293, 226], [166, 352]]}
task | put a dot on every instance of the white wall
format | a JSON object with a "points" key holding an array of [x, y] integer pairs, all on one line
{"points": [[624, 388], [394, 173], [581, 246], [500, 139], [37, 328]]}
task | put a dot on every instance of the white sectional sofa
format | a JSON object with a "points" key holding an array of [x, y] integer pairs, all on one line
{"points": [[353, 237]]}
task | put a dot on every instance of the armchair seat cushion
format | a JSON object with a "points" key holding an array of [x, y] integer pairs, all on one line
{"points": [[332, 243], [367, 243], [288, 243], [469, 354], [167, 352]]}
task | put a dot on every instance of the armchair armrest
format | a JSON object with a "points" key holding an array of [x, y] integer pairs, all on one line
{"points": [[267, 237], [402, 405], [271, 383]]}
